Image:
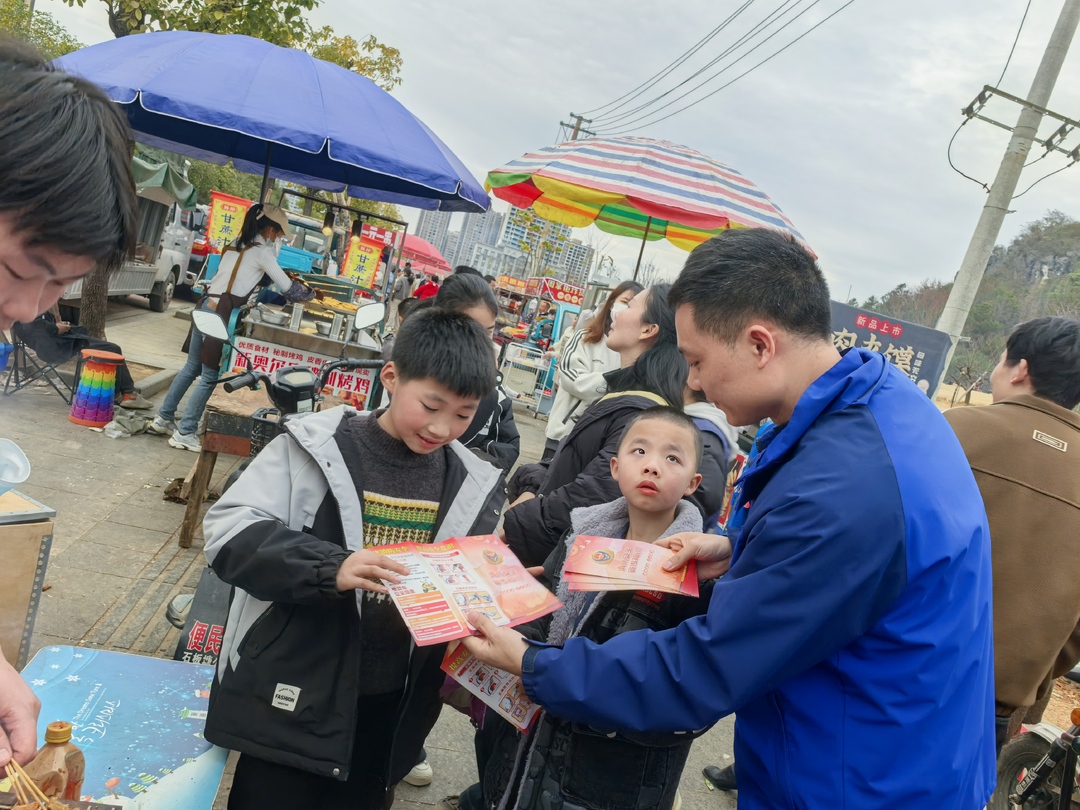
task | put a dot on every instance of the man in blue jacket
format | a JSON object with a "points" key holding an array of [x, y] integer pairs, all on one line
{"points": [[851, 632]]}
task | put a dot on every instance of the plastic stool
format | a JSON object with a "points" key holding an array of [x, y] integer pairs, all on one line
{"points": [[92, 404]]}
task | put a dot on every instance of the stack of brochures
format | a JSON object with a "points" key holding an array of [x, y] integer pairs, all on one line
{"points": [[607, 564]]}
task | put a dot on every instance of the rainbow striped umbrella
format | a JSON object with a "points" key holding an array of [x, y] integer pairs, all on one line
{"points": [[637, 187]]}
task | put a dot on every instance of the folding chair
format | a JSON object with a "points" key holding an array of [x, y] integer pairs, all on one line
{"points": [[26, 368]]}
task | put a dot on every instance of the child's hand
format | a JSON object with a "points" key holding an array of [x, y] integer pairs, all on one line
{"points": [[19, 708], [363, 568], [712, 551]]}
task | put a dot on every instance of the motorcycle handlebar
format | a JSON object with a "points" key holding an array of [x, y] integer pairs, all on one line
{"points": [[247, 379]]}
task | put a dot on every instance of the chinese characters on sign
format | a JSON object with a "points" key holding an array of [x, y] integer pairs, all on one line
{"points": [[558, 291], [918, 351], [351, 386], [226, 218], [361, 261], [203, 643], [511, 284]]}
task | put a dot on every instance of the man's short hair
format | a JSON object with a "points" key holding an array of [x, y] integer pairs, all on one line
{"points": [[750, 273], [464, 269], [1051, 347], [65, 161], [673, 416], [448, 347]]}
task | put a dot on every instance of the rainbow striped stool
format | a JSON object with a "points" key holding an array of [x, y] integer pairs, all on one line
{"points": [[92, 404]]}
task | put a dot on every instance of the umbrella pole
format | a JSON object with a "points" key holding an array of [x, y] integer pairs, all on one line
{"points": [[641, 252], [266, 174]]}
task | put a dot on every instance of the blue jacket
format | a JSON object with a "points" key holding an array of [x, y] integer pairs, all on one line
{"points": [[852, 634]]}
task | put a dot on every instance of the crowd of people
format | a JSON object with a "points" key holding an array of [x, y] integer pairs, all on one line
{"points": [[876, 648]]}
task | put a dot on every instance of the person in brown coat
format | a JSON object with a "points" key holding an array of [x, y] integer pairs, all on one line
{"points": [[1024, 450]]}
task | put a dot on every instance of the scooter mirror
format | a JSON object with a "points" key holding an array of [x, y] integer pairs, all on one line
{"points": [[369, 315], [210, 324]]}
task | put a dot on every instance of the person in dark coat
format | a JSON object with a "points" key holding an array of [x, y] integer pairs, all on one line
{"points": [[493, 432], [652, 373]]}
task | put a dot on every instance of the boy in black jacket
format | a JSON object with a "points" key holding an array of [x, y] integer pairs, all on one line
{"points": [[319, 685]]}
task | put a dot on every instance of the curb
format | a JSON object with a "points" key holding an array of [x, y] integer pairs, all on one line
{"points": [[156, 382], [147, 386]]}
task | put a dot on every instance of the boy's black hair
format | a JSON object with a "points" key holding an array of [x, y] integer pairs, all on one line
{"points": [[448, 347], [410, 305], [65, 161], [672, 416], [464, 269], [751, 273], [462, 291], [1051, 347]]}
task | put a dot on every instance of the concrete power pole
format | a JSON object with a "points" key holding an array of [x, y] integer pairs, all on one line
{"points": [[576, 128], [1001, 193]]}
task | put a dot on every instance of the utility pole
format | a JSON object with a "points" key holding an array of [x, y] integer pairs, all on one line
{"points": [[576, 128], [986, 232]]}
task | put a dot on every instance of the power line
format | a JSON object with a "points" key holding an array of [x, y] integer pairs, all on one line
{"points": [[648, 83], [1015, 40], [1008, 60], [749, 35], [749, 70], [1051, 174], [948, 154]]}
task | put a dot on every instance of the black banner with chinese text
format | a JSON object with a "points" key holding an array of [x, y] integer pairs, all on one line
{"points": [[918, 351]]}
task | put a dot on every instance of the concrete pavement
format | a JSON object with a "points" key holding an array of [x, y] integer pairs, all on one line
{"points": [[115, 562]]}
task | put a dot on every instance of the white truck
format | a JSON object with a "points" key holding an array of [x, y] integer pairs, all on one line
{"points": [[165, 238]]}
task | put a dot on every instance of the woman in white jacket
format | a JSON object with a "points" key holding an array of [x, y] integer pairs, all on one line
{"points": [[579, 374]]}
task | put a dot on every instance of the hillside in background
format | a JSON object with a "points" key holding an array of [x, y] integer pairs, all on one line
{"points": [[1038, 274]]}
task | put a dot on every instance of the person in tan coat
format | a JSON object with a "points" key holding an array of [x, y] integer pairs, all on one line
{"points": [[1024, 450]]}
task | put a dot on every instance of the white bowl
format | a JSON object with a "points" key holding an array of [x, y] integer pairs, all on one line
{"points": [[14, 466]]}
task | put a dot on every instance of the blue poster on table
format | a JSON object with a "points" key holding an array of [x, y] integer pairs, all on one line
{"points": [[138, 720]]}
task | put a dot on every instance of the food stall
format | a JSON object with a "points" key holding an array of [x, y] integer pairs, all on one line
{"points": [[310, 334]]}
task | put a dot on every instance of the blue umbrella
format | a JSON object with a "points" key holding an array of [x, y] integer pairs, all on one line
{"points": [[215, 97]]}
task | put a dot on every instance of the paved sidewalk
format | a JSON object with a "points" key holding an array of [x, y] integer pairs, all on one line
{"points": [[115, 562]]}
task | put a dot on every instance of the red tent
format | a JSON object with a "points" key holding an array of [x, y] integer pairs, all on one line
{"points": [[423, 255]]}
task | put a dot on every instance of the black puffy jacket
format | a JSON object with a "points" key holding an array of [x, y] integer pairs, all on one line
{"points": [[580, 475]]}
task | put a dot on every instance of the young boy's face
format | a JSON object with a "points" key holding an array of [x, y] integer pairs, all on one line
{"points": [[424, 413], [656, 465]]}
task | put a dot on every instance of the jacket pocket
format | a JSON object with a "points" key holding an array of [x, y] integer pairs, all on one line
{"points": [[266, 630], [781, 766]]}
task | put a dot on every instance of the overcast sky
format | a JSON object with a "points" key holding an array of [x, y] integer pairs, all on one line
{"points": [[846, 131]]}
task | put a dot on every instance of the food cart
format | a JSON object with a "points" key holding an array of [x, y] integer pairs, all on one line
{"points": [[310, 333]]}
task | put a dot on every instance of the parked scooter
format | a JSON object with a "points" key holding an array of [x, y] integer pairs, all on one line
{"points": [[293, 390], [1035, 765]]}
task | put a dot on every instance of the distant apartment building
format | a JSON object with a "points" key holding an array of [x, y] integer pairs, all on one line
{"points": [[450, 252], [497, 260], [477, 229], [433, 227], [516, 233], [577, 260]]}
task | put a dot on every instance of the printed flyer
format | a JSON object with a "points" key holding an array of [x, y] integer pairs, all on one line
{"points": [[449, 580], [608, 564], [503, 692]]}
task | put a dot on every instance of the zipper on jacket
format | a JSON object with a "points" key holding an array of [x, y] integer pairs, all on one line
{"points": [[344, 771]]}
